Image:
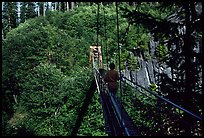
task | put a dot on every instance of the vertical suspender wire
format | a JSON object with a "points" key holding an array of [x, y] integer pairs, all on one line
{"points": [[119, 61], [159, 92], [106, 48], [98, 33]]}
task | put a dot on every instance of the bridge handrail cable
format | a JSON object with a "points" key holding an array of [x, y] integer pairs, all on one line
{"points": [[161, 97]]}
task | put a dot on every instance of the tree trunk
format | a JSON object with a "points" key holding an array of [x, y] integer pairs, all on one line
{"points": [[47, 6], [67, 6], [44, 105], [51, 7], [59, 5], [187, 53], [63, 6], [55, 6], [2, 34], [58, 109], [72, 5], [77, 4], [188, 43], [43, 8], [9, 18], [15, 98], [38, 9]]}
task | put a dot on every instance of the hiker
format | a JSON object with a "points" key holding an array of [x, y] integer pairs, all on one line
{"points": [[111, 78]]}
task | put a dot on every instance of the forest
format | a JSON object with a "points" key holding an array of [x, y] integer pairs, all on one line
{"points": [[46, 72]]}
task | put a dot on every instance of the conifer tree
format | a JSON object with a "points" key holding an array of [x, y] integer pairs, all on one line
{"points": [[62, 6], [30, 10], [13, 14], [5, 24], [9, 16], [23, 12], [40, 8]]}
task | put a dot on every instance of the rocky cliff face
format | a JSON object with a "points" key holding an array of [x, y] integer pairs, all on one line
{"points": [[148, 69]]}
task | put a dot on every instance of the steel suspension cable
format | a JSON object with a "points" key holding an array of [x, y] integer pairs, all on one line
{"points": [[98, 30], [106, 48], [119, 58]]}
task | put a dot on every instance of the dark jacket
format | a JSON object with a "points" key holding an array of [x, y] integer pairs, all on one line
{"points": [[112, 77]]}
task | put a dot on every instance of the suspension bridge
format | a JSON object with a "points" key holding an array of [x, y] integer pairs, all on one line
{"points": [[117, 120]]}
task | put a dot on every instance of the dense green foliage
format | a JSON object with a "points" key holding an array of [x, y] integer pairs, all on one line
{"points": [[161, 52], [93, 123], [51, 100], [48, 65]]}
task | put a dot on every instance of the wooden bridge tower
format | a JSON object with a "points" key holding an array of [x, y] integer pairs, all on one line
{"points": [[95, 51]]}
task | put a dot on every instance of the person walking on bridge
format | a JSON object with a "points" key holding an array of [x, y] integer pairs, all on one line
{"points": [[111, 78]]}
